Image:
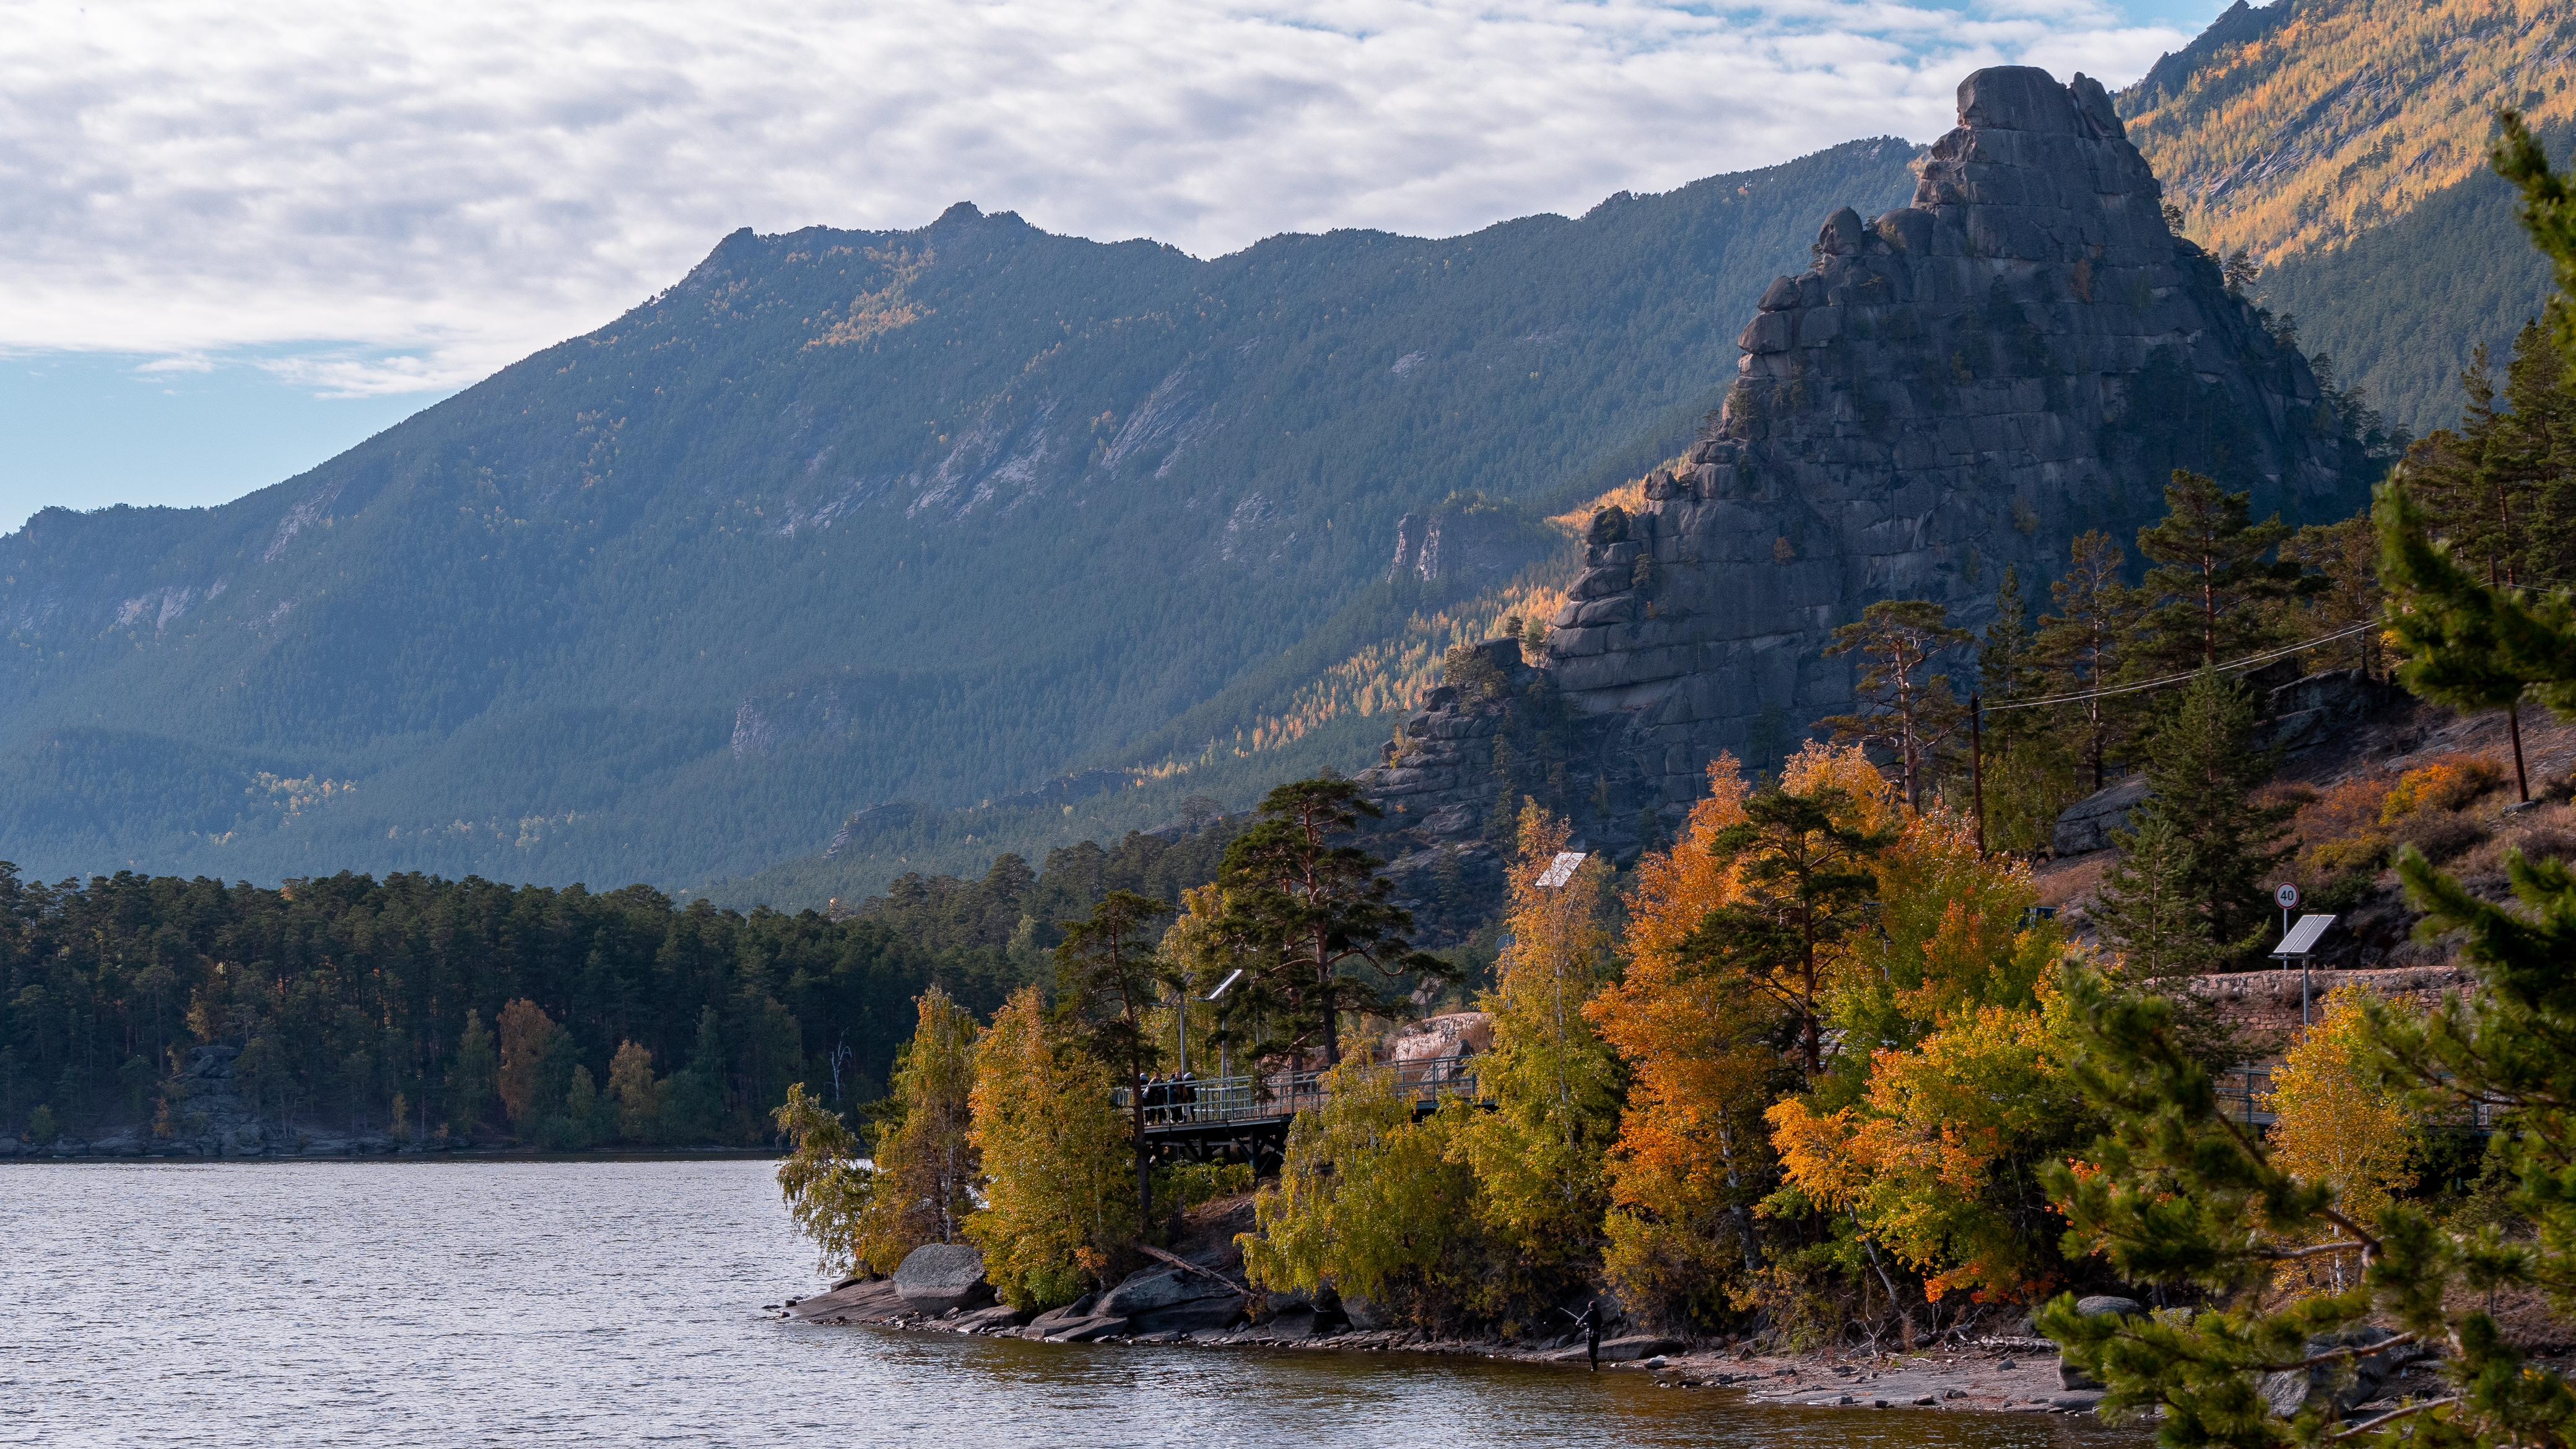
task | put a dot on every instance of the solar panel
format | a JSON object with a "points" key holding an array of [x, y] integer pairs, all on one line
{"points": [[2302, 939], [1561, 869]]}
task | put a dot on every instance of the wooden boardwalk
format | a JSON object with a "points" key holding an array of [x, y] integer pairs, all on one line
{"points": [[1245, 1118]]}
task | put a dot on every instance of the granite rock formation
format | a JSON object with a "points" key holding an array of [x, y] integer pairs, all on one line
{"points": [[1962, 385]]}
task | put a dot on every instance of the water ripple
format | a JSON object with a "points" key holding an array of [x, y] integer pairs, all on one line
{"points": [[445, 1304]]}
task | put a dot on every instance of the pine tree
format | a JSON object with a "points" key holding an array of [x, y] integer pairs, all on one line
{"points": [[2008, 666], [1111, 980], [2346, 559], [2177, 1195], [2028, 775], [1314, 916], [2086, 644], [2203, 770], [1905, 707], [472, 1082], [1803, 859], [2146, 909], [2212, 576]]}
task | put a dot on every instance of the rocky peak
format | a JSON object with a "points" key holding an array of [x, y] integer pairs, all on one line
{"points": [[1962, 385]]}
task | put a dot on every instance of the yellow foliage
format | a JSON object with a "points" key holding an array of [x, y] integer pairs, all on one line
{"points": [[2335, 1124], [2350, 115], [926, 1168], [1551, 1081], [886, 309], [1059, 1192], [2442, 785], [1915, 1161], [1875, 804], [1953, 927], [828, 1190]]}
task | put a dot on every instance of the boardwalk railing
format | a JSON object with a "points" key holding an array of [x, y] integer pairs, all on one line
{"points": [[1277, 1096], [2241, 1091]]}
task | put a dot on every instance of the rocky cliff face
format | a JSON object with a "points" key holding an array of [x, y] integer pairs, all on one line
{"points": [[1962, 385]]}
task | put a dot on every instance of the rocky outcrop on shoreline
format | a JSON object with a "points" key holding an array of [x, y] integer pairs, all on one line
{"points": [[1197, 1296]]}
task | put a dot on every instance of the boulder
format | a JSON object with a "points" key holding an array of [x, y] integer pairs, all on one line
{"points": [[1000, 1315], [2086, 825], [1056, 1319], [1084, 1330], [1158, 1288], [1638, 1345], [936, 1277], [2099, 1305], [2349, 1384]]}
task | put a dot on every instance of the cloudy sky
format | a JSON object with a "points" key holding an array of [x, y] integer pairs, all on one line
{"points": [[239, 238]]}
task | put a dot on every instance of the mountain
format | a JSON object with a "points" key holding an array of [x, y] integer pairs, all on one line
{"points": [[1956, 388], [852, 529], [2342, 144]]}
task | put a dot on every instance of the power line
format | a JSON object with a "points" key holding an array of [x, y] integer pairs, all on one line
{"points": [[2248, 662]]}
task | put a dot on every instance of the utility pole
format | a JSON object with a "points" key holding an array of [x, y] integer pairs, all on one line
{"points": [[1977, 765]]}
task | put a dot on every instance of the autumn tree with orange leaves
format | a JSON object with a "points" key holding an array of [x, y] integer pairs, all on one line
{"points": [[1926, 1148], [1706, 1051]]}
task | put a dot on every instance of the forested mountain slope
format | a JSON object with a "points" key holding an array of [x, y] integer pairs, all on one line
{"points": [[2342, 144], [847, 518]]}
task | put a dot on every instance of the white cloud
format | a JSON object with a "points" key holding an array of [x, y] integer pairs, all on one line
{"points": [[402, 197]]}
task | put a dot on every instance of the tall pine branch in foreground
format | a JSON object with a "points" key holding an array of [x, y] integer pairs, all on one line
{"points": [[2179, 1196]]}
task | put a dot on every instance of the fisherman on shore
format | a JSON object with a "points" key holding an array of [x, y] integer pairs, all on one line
{"points": [[1589, 1323]]}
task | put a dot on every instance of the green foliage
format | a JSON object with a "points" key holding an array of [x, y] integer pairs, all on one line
{"points": [[1804, 861], [2213, 575], [1111, 980], [348, 990], [2404, 306], [2203, 770], [927, 1164], [2087, 644], [1185, 1185], [2178, 1195], [2548, 214], [828, 1189], [1370, 1203], [473, 1082], [2147, 911], [1553, 1086]]}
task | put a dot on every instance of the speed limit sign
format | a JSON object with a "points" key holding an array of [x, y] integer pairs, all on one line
{"points": [[2288, 897]]}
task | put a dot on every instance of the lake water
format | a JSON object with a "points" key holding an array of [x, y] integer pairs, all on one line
{"points": [[471, 1303]]}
